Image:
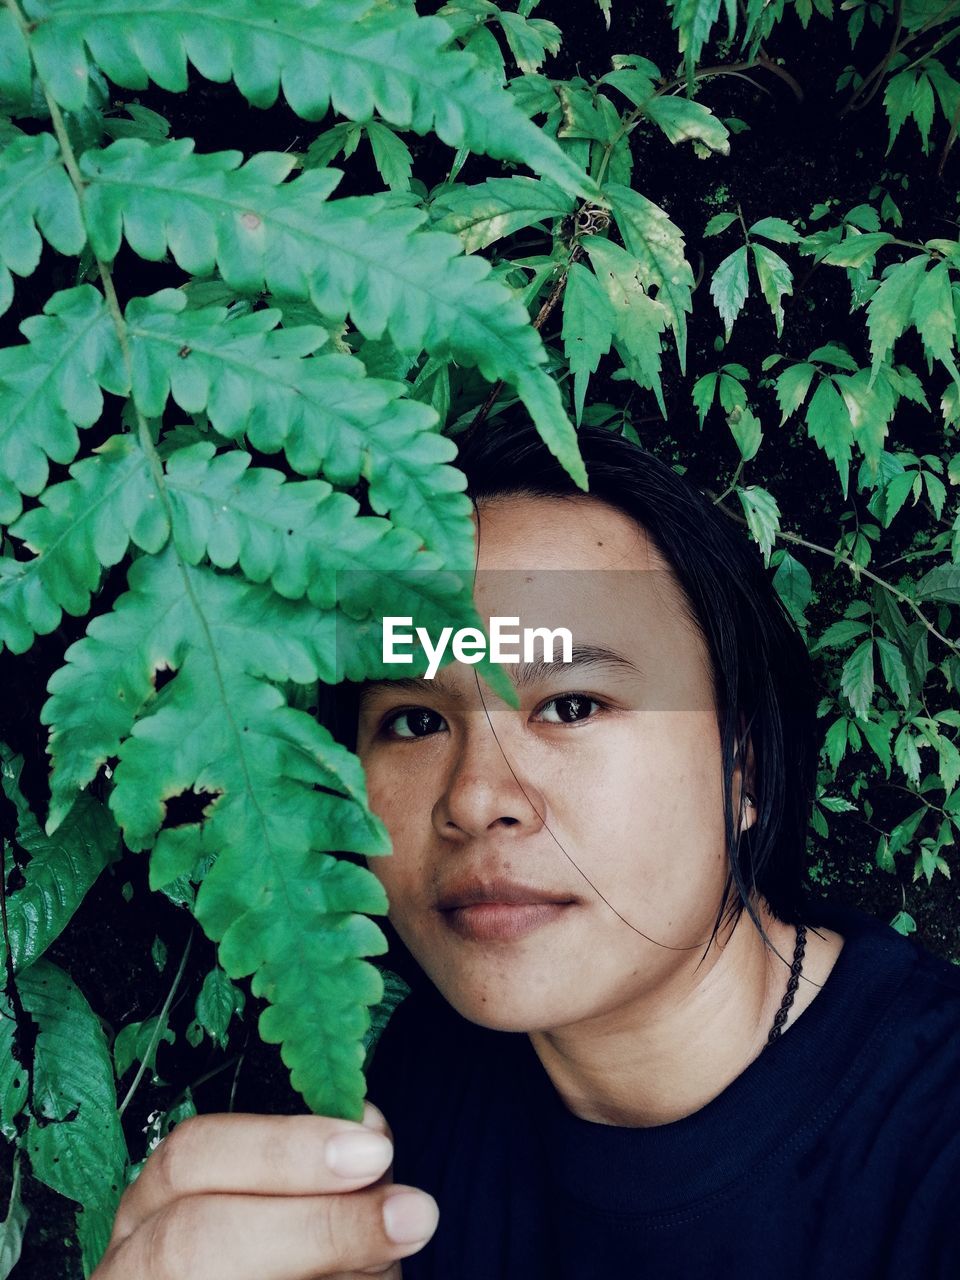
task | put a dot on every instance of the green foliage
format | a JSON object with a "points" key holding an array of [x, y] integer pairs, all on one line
{"points": [[222, 465]]}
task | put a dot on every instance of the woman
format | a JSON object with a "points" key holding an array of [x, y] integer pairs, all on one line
{"points": [[668, 1111], [633, 1045]]}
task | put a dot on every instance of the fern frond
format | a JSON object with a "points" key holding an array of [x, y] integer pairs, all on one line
{"points": [[36, 196], [496, 208], [367, 257], [360, 58]]}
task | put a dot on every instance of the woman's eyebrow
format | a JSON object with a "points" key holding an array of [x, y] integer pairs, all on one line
{"points": [[523, 674]]}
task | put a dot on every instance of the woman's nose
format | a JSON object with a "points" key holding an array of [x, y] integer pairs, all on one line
{"points": [[485, 788]]}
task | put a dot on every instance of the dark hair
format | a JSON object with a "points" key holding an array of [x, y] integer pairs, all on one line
{"points": [[761, 672]]}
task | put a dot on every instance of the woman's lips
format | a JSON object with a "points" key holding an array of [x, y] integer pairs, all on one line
{"points": [[501, 921]]}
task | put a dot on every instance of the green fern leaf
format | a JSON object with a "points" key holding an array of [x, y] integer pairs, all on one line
{"points": [[490, 210], [36, 196], [694, 20], [657, 244], [362, 256], [360, 58], [16, 72], [50, 386], [60, 869]]}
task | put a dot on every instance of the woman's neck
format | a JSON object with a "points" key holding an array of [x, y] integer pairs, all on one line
{"points": [[656, 1062]]}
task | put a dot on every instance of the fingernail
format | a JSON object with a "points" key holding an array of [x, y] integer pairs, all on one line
{"points": [[410, 1216], [358, 1155]]}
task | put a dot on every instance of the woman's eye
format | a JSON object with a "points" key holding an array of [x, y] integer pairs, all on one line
{"points": [[418, 722], [570, 709]]}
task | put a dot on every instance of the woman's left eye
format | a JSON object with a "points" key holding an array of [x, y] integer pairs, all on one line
{"points": [[570, 709]]}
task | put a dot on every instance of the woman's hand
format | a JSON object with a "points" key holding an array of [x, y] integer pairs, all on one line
{"points": [[250, 1197]]}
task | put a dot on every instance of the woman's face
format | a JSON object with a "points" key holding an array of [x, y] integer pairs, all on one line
{"points": [[610, 799]]}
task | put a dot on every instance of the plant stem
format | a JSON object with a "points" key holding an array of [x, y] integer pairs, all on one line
{"points": [[158, 1029], [840, 557]]}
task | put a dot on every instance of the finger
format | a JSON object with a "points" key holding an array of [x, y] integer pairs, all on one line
{"points": [[255, 1155], [374, 1118], [239, 1237]]}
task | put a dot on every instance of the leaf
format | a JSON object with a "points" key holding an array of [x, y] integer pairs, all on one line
{"points": [[746, 430], [941, 583], [856, 249], [217, 1002], [730, 286], [794, 586], [840, 633], [777, 229], [890, 309], [907, 755], [703, 392], [683, 120], [76, 1146], [833, 354], [792, 387], [358, 60], [857, 678], [60, 870], [828, 423], [693, 20], [894, 669], [390, 154], [877, 735], [776, 280], [279, 791], [529, 41], [13, 1226], [763, 516], [588, 325], [949, 763], [50, 386], [657, 244], [719, 223], [491, 210], [640, 319], [36, 196], [139, 1042], [366, 257], [932, 314], [835, 743]]}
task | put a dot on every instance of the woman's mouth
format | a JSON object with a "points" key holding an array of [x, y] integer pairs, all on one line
{"points": [[501, 921]]}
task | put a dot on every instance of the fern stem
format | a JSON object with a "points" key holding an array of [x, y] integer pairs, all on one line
{"points": [[158, 1029]]}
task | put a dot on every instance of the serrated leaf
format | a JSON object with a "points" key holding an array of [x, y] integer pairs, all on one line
{"points": [[359, 60], [529, 40], [703, 392], [890, 309], [684, 120], [139, 1042], [588, 325], [746, 430], [719, 223], [932, 314], [730, 286], [792, 386], [491, 210], [763, 516], [657, 243], [390, 154], [776, 280], [828, 423], [857, 680], [777, 229], [894, 669], [694, 20], [835, 743], [794, 586], [907, 755], [640, 319]]}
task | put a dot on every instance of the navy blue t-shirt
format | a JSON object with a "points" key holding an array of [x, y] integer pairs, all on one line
{"points": [[834, 1156]]}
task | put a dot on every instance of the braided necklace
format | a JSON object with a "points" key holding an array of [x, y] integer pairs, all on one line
{"points": [[794, 982]]}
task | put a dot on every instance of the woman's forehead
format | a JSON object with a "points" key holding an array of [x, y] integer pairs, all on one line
{"points": [[523, 531]]}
